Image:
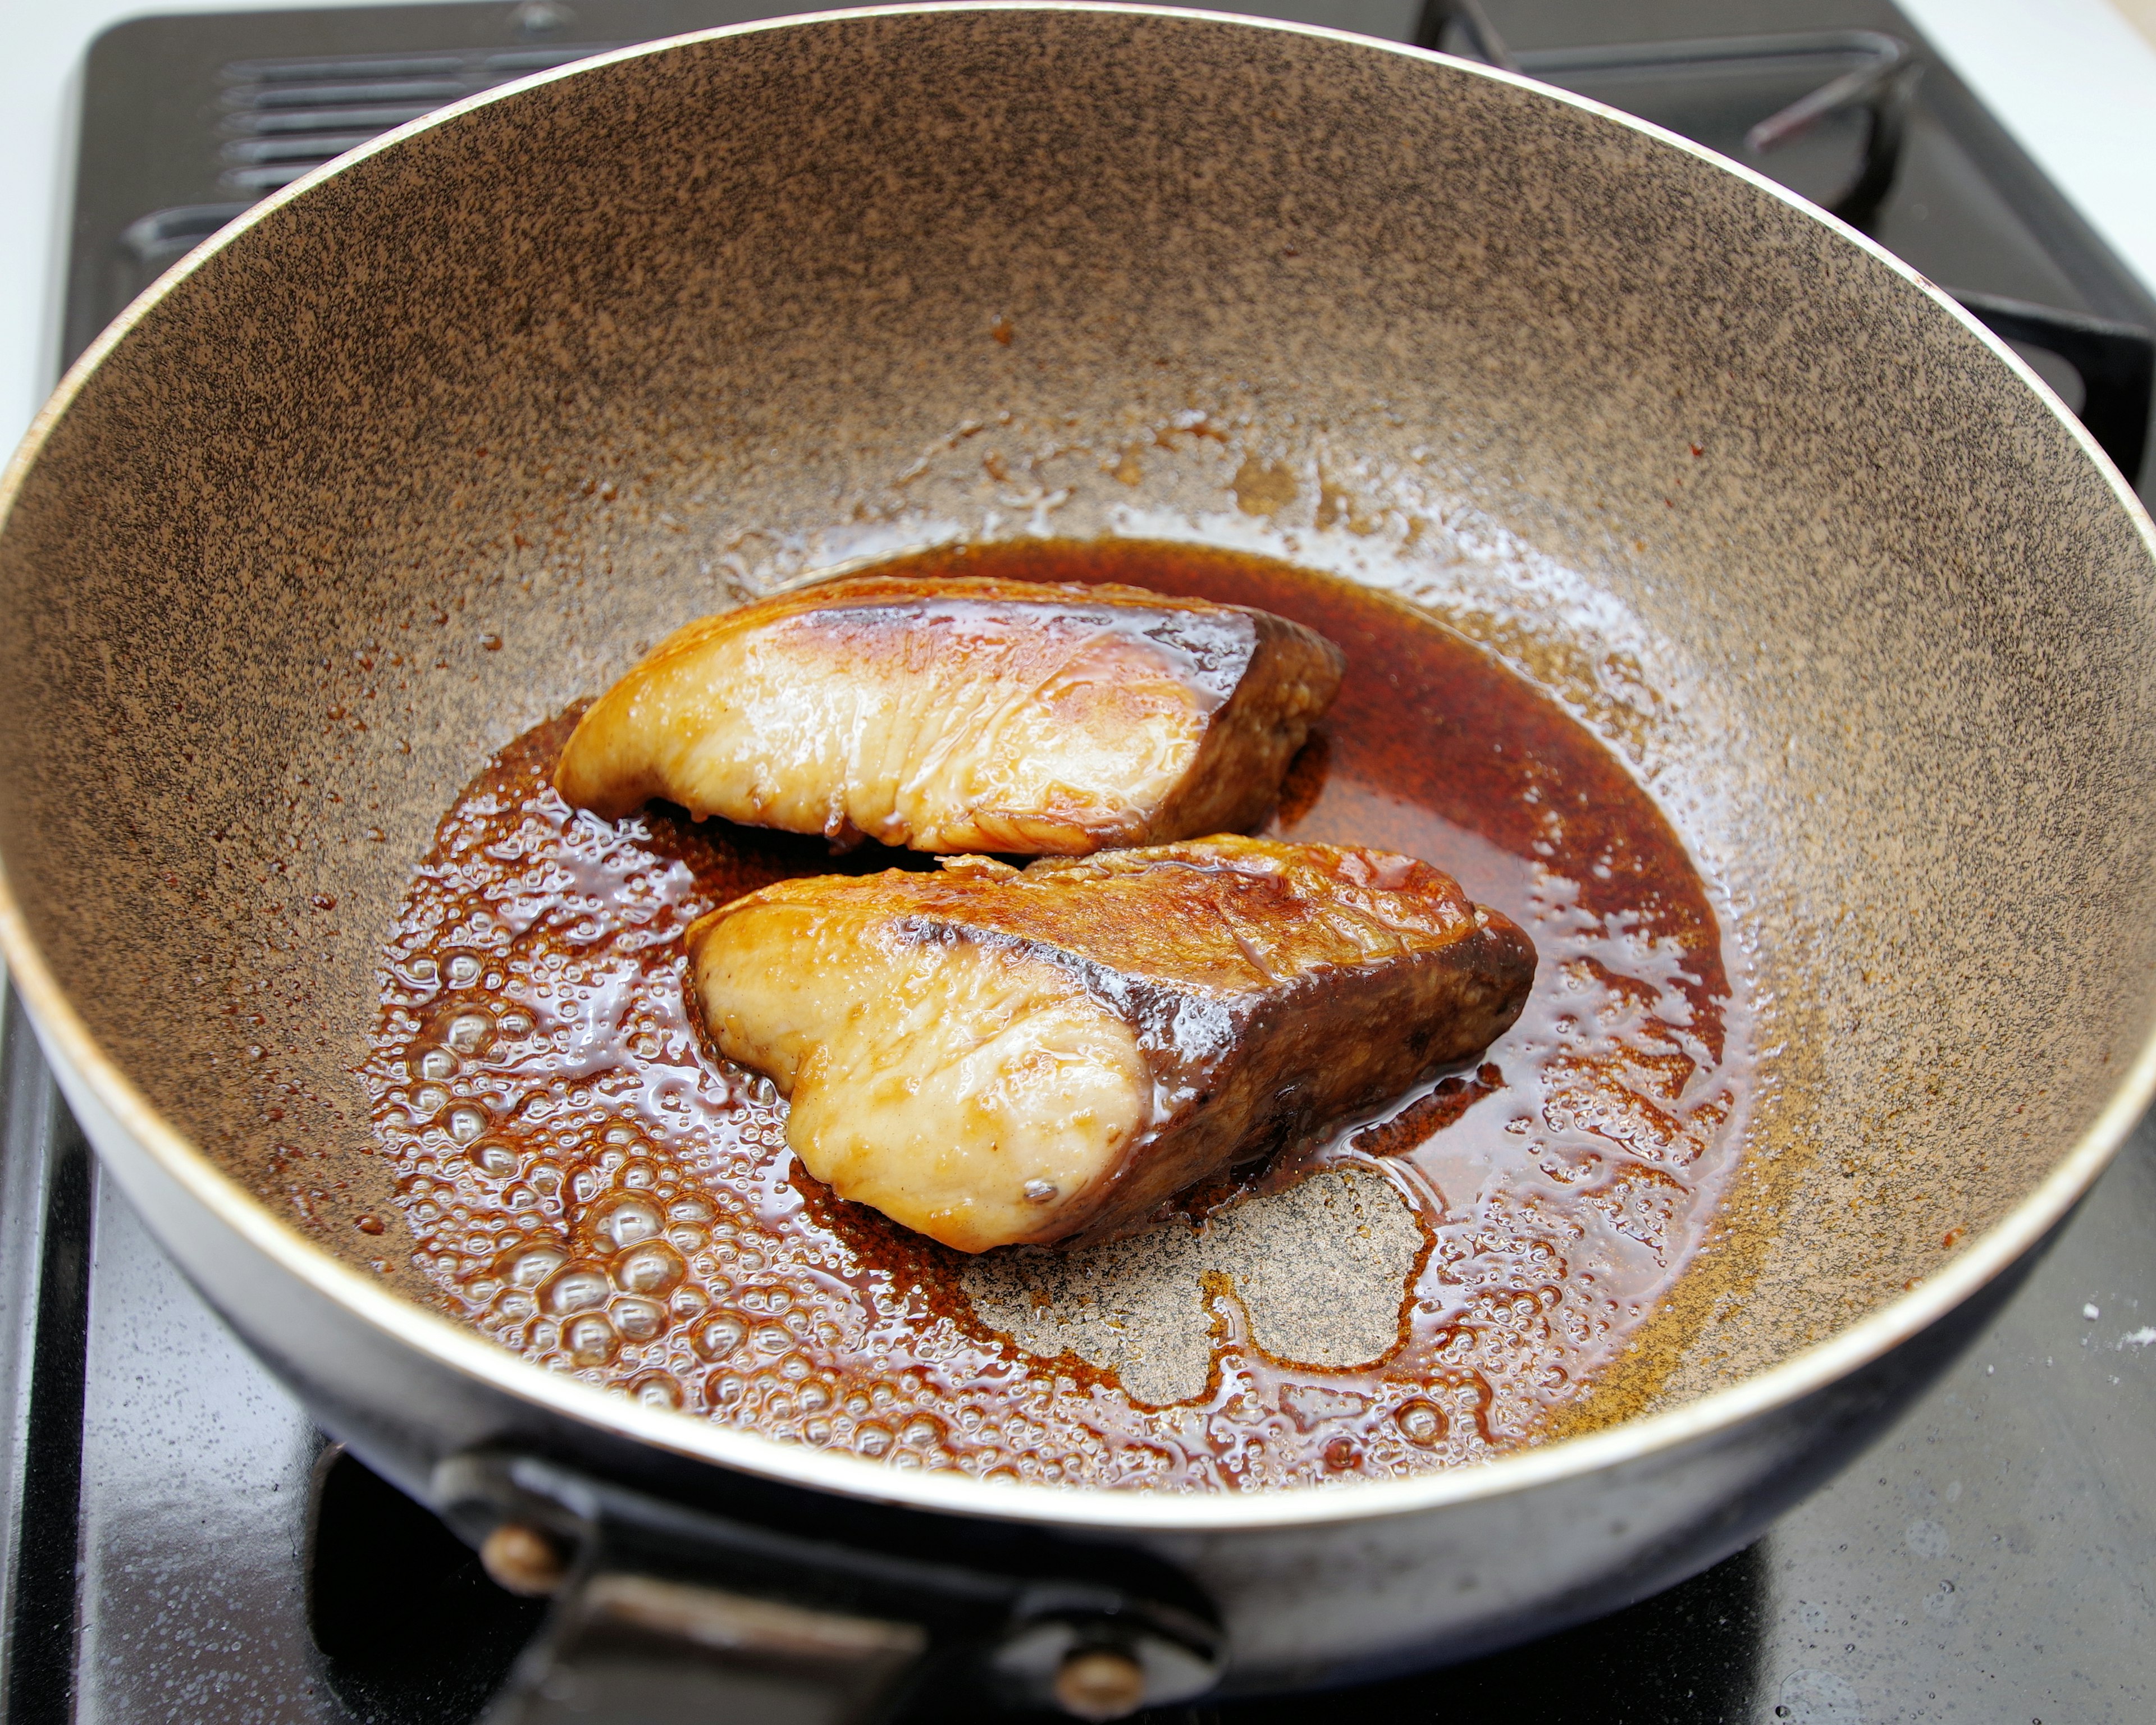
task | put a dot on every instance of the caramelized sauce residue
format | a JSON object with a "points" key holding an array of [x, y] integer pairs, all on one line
{"points": [[586, 1185]]}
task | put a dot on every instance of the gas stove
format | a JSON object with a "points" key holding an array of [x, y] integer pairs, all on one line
{"points": [[187, 1546]]}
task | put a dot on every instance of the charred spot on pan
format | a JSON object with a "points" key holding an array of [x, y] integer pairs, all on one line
{"points": [[1262, 487]]}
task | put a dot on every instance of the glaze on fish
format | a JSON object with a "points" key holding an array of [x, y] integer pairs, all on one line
{"points": [[962, 714], [993, 1057]]}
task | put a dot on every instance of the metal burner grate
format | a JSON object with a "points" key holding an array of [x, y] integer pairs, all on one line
{"points": [[283, 117], [1837, 105]]}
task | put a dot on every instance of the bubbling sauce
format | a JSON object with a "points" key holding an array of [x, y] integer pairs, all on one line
{"points": [[586, 1184]]}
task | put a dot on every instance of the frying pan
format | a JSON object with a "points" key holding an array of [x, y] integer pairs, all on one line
{"points": [[417, 453]]}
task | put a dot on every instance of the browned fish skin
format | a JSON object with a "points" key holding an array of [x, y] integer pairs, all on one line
{"points": [[962, 714], [993, 1057]]}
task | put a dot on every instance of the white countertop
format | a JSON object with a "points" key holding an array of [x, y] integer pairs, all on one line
{"points": [[2075, 83], [2072, 78]]}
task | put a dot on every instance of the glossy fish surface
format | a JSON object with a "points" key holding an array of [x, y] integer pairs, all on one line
{"points": [[962, 714], [995, 1057]]}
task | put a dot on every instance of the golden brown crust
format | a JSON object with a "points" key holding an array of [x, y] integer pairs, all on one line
{"points": [[963, 713], [1273, 989]]}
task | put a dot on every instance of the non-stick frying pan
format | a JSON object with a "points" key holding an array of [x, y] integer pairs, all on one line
{"points": [[521, 385]]}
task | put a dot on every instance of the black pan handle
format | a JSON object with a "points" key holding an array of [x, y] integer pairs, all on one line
{"points": [[620, 1647], [2116, 362], [664, 1614]]}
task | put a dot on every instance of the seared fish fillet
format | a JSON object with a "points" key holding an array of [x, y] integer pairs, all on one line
{"points": [[992, 1057], [962, 714]]}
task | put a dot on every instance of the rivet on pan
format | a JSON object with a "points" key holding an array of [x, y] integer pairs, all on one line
{"points": [[526, 1561], [1099, 1683]]}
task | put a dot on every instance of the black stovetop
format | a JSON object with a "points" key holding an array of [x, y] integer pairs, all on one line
{"points": [[188, 1546]]}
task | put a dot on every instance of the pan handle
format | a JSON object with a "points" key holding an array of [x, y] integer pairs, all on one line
{"points": [[664, 1613], [624, 1646]]}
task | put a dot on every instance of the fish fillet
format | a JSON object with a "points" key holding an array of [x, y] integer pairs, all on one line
{"points": [[962, 714], [993, 1057]]}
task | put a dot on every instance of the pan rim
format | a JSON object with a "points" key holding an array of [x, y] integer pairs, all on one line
{"points": [[76, 1055]]}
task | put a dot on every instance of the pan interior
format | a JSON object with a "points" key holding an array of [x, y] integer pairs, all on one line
{"points": [[434, 448], [1424, 1285]]}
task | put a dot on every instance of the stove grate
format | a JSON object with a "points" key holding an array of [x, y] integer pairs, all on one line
{"points": [[282, 118]]}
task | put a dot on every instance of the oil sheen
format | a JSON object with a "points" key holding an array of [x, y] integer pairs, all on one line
{"points": [[587, 1185]]}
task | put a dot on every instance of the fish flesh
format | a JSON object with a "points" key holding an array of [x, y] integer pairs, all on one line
{"points": [[962, 714], [992, 1057]]}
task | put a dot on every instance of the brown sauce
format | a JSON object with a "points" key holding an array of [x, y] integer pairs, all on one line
{"points": [[587, 1185]]}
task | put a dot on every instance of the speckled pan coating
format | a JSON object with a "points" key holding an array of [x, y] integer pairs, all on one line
{"points": [[446, 440]]}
